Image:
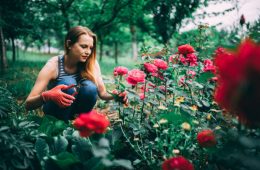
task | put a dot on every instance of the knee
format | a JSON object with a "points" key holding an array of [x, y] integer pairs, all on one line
{"points": [[88, 89], [68, 81]]}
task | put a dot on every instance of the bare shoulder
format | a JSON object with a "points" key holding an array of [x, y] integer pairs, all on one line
{"points": [[51, 67]]}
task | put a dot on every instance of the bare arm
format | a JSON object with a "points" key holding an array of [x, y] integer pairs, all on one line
{"points": [[48, 72], [102, 92]]}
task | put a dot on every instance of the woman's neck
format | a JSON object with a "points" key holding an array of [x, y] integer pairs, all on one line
{"points": [[69, 64]]}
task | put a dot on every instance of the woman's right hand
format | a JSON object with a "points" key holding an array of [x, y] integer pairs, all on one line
{"points": [[58, 96]]}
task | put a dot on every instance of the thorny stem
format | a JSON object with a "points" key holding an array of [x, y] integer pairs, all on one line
{"points": [[142, 109], [133, 147]]}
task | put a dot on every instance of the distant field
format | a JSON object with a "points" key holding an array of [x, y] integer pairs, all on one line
{"points": [[107, 65]]}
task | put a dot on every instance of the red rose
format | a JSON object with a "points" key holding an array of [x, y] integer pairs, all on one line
{"points": [[177, 163], [239, 81], [219, 50], [135, 76], [206, 138], [183, 60], [185, 49], [160, 64], [150, 68], [208, 66], [88, 123], [192, 59], [120, 70]]}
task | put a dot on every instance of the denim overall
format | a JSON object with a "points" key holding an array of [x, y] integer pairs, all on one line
{"points": [[85, 99]]}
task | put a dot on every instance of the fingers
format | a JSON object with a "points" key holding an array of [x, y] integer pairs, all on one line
{"points": [[68, 87], [67, 96]]}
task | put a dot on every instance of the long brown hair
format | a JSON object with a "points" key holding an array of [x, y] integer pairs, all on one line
{"points": [[86, 68]]}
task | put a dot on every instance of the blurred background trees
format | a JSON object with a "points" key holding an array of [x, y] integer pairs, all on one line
{"points": [[121, 25]]}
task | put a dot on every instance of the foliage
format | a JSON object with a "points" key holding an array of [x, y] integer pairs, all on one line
{"points": [[17, 135]]}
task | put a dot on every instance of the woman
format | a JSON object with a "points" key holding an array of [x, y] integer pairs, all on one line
{"points": [[73, 80]]}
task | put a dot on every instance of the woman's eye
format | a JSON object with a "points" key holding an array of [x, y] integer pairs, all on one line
{"points": [[83, 46]]}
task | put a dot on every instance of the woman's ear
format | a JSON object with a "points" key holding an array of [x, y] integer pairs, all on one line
{"points": [[68, 44]]}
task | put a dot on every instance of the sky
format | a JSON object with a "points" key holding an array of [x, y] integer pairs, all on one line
{"points": [[249, 8]]}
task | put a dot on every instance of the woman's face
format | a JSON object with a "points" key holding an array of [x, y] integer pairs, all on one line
{"points": [[83, 48]]}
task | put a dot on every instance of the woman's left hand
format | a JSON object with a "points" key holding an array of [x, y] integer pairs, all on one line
{"points": [[121, 97]]}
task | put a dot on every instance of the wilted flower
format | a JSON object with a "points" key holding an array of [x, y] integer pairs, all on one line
{"points": [[177, 163], [178, 101], [163, 121], [186, 126], [194, 107], [176, 151], [206, 138], [155, 125]]}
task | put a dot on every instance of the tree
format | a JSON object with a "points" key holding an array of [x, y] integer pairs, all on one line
{"points": [[168, 15]]}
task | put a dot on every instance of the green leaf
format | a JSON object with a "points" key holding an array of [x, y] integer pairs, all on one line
{"points": [[60, 144], [123, 163], [204, 77], [100, 152], [103, 142], [3, 128], [64, 160], [42, 148]]}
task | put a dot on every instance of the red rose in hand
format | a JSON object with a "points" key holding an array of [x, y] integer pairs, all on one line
{"points": [[161, 64], [120, 70], [150, 68], [135, 76], [88, 123], [206, 138], [177, 163], [185, 49]]}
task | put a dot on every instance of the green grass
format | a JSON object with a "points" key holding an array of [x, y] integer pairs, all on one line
{"points": [[21, 75]]}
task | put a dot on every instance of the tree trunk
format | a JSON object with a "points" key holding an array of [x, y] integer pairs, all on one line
{"points": [[13, 49], [67, 22], [134, 43], [17, 52], [49, 46], [101, 49], [116, 52], [3, 61]]}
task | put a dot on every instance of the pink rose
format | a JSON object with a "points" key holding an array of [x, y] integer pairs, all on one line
{"points": [[135, 76], [120, 70], [142, 96], [191, 73], [208, 66], [160, 64], [151, 68]]}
